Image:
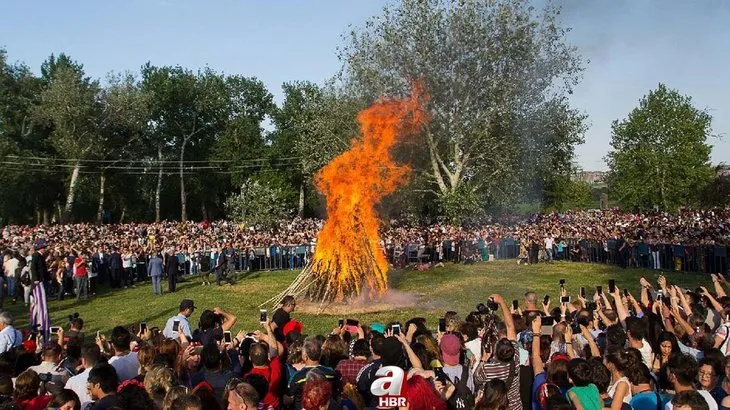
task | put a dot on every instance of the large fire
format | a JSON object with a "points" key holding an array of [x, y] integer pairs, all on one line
{"points": [[348, 255]]}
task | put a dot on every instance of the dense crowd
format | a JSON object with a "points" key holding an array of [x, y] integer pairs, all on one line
{"points": [[663, 347]]}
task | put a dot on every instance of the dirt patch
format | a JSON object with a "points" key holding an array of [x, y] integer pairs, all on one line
{"points": [[393, 300]]}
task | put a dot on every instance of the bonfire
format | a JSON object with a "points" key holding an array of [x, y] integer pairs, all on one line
{"points": [[348, 258]]}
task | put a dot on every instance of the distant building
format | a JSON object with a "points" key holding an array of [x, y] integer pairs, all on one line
{"points": [[591, 177], [723, 170]]}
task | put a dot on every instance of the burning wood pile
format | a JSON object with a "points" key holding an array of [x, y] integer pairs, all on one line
{"points": [[348, 258]]}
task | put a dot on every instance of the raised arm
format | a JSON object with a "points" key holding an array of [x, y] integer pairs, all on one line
{"points": [[228, 319], [537, 364], [508, 321], [621, 310], [717, 281]]}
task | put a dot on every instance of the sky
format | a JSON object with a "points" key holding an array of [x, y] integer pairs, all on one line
{"points": [[632, 45]]}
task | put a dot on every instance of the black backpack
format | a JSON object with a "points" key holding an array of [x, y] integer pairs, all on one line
{"points": [[463, 398]]}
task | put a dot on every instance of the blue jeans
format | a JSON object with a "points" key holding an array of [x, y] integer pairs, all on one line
{"points": [[11, 287], [157, 285], [549, 252]]}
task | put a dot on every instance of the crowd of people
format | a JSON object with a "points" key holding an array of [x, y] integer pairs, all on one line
{"points": [[661, 347]]}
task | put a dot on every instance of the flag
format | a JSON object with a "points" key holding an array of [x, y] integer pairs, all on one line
{"points": [[39, 310]]}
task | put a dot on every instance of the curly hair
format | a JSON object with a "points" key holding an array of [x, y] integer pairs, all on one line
{"points": [[317, 394]]}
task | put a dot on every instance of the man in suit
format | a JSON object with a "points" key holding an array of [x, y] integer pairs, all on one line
{"points": [[155, 271], [115, 267], [173, 265], [99, 266]]}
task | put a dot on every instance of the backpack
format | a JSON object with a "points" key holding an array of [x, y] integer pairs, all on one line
{"points": [[463, 398]]}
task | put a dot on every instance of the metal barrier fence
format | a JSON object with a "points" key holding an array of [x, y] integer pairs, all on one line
{"points": [[700, 259]]}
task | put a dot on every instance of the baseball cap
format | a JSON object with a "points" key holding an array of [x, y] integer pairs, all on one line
{"points": [[450, 349], [377, 327], [187, 304]]}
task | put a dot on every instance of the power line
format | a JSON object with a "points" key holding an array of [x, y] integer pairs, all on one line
{"points": [[152, 161]]}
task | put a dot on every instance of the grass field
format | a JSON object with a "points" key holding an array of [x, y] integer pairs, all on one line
{"points": [[453, 287]]}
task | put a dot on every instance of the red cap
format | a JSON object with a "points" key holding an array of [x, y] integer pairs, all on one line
{"points": [[450, 349]]}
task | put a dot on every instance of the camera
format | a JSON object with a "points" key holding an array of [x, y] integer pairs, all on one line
{"points": [[492, 305], [575, 328], [482, 309], [45, 377]]}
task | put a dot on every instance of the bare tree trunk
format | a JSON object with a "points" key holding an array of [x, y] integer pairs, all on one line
{"points": [[204, 210], [37, 216], [300, 209], [100, 211], [124, 213], [68, 209], [59, 212], [46, 217], [159, 185], [183, 201]]}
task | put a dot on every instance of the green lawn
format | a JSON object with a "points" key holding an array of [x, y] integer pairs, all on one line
{"points": [[454, 287]]}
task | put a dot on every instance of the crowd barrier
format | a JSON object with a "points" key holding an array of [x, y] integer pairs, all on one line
{"points": [[699, 259]]}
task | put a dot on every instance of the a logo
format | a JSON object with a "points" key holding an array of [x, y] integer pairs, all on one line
{"points": [[390, 387]]}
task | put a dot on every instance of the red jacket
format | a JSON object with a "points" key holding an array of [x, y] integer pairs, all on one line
{"points": [[79, 266], [272, 374]]}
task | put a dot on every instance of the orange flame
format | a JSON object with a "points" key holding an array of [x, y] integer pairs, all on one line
{"points": [[348, 254]]}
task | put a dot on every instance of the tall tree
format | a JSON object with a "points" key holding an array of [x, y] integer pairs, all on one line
{"points": [[122, 115], [188, 110], [313, 125], [68, 105], [660, 153], [489, 67]]}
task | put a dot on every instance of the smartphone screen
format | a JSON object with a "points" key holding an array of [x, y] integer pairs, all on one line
{"points": [[175, 325], [142, 326], [263, 316], [565, 299], [396, 329], [340, 323], [599, 290], [611, 286], [352, 322], [515, 304], [227, 337], [659, 296], [546, 299], [54, 329], [583, 292], [442, 325], [626, 292]]}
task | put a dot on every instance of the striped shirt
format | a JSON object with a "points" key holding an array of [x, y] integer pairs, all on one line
{"points": [[497, 370]]}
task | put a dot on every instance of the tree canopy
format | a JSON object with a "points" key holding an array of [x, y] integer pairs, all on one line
{"points": [[660, 155]]}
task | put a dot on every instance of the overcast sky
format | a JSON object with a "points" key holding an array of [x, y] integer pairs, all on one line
{"points": [[632, 45]]}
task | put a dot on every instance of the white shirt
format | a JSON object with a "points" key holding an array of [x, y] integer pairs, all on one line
{"points": [[645, 353], [549, 243], [184, 326], [58, 376], [705, 394], [10, 337], [78, 385], [127, 366], [9, 266]]}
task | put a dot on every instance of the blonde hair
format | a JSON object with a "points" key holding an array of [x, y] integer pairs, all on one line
{"points": [[172, 394], [158, 381]]}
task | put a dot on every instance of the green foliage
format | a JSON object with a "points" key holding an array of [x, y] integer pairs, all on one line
{"points": [[497, 73], [565, 194], [660, 155], [261, 202]]}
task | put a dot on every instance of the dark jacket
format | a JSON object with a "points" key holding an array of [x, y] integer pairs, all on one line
{"points": [[99, 264], [115, 260], [38, 267], [173, 266]]}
